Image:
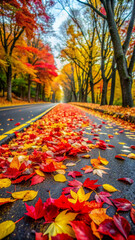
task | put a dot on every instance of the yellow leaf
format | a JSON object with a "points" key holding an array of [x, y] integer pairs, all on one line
{"points": [[102, 160], [25, 195], [131, 155], [40, 173], [5, 182], [122, 143], [99, 215], [80, 196], [6, 228], [109, 188], [15, 163], [7, 200], [61, 224], [60, 178], [86, 156]]}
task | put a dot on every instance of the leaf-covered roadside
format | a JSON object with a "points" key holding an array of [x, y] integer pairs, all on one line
{"points": [[81, 211]]}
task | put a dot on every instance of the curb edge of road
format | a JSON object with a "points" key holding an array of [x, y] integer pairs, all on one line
{"points": [[127, 118], [7, 139]]}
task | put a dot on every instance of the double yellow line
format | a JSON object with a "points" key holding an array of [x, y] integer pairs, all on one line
{"points": [[24, 125]]}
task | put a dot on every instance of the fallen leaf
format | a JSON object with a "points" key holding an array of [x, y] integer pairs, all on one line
{"points": [[133, 147], [99, 172], [86, 156], [126, 180], [6, 200], [99, 215], [37, 211], [87, 169], [15, 163], [60, 178], [119, 157], [61, 224], [25, 195], [75, 174], [70, 164], [91, 184], [122, 204], [132, 214], [37, 179], [108, 228], [6, 228], [103, 196], [82, 231], [40, 173], [5, 182], [131, 155], [109, 188], [17, 124], [80, 196], [122, 224]]}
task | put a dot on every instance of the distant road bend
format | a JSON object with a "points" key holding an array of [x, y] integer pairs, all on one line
{"points": [[21, 114]]}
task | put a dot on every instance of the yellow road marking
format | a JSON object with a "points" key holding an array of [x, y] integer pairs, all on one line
{"points": [[23, 125], [2, 136]]}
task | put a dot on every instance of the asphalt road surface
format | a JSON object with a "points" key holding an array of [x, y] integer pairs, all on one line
{"points": [[117, 169], [15, 118]]}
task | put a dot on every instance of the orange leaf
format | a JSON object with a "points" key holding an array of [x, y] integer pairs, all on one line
{"points": [[15, 163]]}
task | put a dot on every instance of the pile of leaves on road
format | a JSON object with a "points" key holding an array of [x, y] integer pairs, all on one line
{"points": [[115, 113], [42, 149]]}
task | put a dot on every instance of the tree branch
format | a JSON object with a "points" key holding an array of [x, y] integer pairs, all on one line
{"points": [[91, 6]]}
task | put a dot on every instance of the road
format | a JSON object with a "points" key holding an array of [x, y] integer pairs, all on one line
{"points": [[22, 116], [117, 169]]}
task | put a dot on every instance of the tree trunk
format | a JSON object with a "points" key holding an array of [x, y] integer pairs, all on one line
{"points": [[29, 88], [125, 79], [92, 92], [113, 83], [9, 83], [37, 93], [104, 93], [43, 92]]}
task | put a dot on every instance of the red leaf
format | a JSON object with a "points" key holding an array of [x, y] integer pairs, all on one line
{"points": [[82, 231], [103, 196], [50, 210], [36, 179], [131, 237], [35, 212], [108, 228], [75, 174], [133, 147], [62, 202], [122, 224], [12, 173], [122, 204], [127, 180], [17, 124], [111, 146], [119, 157], [102, 10], [121, 131], [132, 214], [75, 183], [62, 236], [23, 178], [39, 236], [48, 167], [91, 184]]}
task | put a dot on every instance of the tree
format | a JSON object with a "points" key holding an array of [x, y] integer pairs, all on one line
{"points": [[17, 17], [119, 49]]}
